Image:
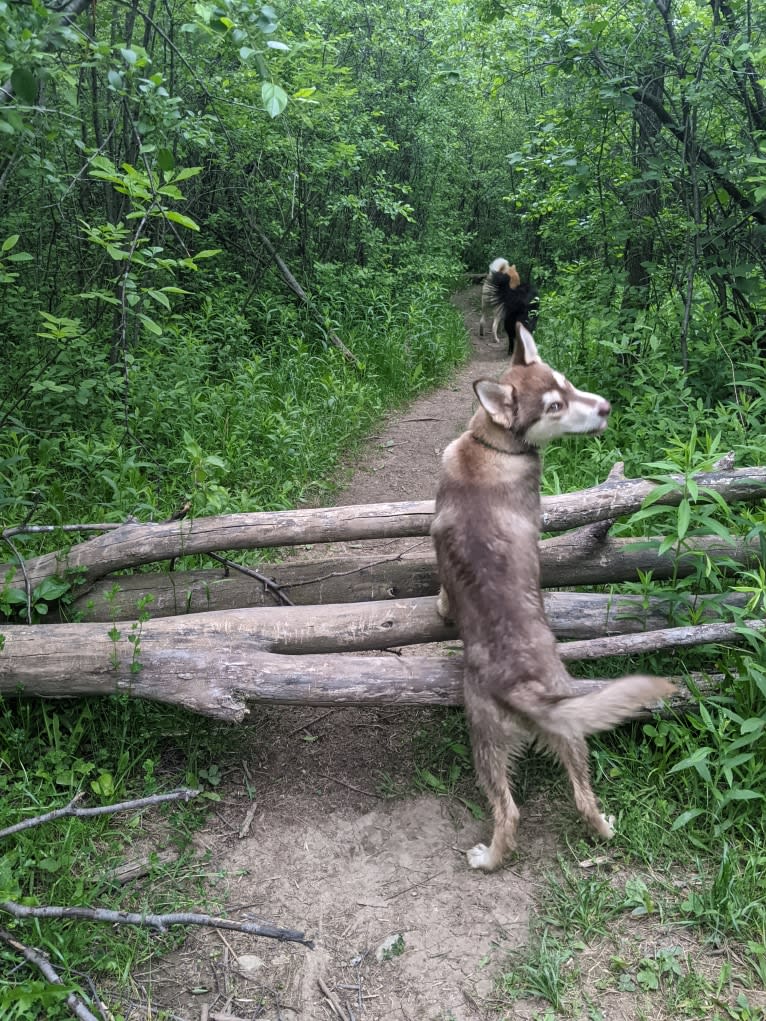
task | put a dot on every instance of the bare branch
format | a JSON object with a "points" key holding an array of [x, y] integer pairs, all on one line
{"points": [[268, 584], [654, 641], [45, 967], [123, 806], [152, 921]]}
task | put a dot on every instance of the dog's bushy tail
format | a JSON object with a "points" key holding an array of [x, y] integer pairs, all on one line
{"points": [[580, 715]]}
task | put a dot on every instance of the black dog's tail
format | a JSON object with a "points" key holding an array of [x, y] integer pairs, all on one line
{"points": [[519, 304]]}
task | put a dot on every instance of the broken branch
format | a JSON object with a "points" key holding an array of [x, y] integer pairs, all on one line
{"points": [[152, 921], [123, 806]]}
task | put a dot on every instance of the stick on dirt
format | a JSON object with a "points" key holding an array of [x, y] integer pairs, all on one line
{"points": [[152, 921]]}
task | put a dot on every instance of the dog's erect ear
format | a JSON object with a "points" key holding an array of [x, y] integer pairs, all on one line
{"points": [[513, 277], [497, 401], [525, 350]]}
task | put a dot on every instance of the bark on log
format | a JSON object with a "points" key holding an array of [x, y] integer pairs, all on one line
{"points": [[353, 627], [212, 663], [573, 558], [219, 678], [133, 545]]}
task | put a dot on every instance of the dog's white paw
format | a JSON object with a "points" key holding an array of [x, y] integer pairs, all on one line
{"points": [[607, 826], [479, 857], [442, 606]]}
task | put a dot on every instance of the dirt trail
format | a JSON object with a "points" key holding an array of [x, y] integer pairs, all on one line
{"points": [[328, 852]]}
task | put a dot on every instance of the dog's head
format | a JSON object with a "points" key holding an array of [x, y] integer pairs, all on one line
{"points": [[536, 403]]}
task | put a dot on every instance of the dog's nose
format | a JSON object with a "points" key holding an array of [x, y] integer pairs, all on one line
{"points": [[604, 408]]}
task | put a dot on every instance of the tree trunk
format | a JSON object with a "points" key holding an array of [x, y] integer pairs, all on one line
{"points": [[218, 677], [132, 545], [574, 558], [213, 662]]}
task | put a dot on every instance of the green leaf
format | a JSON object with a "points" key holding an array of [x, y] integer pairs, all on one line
{"points": [[659, 492], [24, 84], [9, 243], [686, 817], [160, 298], [185, 172], [51, 588], [165, 159], [185, 221], [150, 324], [684, 517], [740, 795], [274, 99], [751, 725], [171, 191]]}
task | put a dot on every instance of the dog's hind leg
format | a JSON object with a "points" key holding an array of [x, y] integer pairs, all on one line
{"points": [[495, 746], [573, 755], [496, 324]]}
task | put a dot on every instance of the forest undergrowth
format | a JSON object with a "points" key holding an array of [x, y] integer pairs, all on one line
{"points": [[198, 200]]}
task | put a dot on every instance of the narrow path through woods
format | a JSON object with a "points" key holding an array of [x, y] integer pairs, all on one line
{"points": [[342, 845]]}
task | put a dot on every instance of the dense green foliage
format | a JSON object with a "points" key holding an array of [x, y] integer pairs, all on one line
{"points": [[165, 169]]}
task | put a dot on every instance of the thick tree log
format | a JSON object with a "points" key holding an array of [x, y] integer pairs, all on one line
{"points": [[212, 663], [345, 627], [133, 545], [219, 677], [574, 558]]}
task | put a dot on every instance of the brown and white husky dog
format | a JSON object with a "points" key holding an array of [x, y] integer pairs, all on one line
{"points": [[486, 529]]}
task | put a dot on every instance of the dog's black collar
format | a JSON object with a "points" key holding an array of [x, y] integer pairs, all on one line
{"points": [[528, 448]]}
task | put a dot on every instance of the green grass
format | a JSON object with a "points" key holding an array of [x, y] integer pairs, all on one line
{"points": [[231, 412], [111, 750]]}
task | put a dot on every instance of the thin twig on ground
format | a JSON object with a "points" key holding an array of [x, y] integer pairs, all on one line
{"points": [[183, 794], [343, 783], [46, 969], [332, 999], [247, 822], [152, 921]]}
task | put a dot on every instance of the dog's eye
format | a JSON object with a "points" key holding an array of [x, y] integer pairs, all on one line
{"points": [[555, 406]]}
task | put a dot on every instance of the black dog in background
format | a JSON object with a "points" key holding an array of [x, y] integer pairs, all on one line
{"points": [[519, 304]]}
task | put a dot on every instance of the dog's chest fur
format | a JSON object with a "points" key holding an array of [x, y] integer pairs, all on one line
{"points": [[486, 531]]}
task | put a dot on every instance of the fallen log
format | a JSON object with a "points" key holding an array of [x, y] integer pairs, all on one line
{"points": [[134, 545], [569, 559], [347, 627], [220, 677], [213, 662]]}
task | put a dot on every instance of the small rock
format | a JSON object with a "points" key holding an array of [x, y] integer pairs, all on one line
{"points": [[250, 965]]}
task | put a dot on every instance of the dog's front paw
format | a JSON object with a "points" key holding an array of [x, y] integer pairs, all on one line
{"points": [[479, 858], [442, 607], [606, 829]]}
